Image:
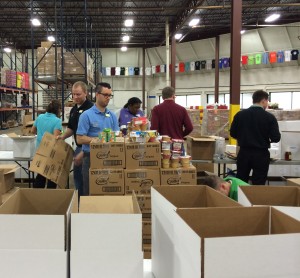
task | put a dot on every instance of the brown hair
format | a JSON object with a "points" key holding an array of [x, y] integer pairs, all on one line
{"points": [[54, 107], [168, 92]]}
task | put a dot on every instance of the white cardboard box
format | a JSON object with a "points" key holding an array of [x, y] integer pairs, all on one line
{"points": [[23, 146], [106, 238], [165, 201], [236, 242], [34, 238], [283, 198]]}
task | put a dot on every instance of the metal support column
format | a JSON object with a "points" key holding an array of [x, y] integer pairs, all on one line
{"points": [[217, 69], [32, 62], [235, 54], [173, 61], [144, 79]]}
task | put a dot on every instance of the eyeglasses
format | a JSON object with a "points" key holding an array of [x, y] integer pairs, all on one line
{"points": [[107, 95]]}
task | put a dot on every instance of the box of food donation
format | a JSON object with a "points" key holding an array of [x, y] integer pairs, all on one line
{"points": [[140, 180], [34, 233], [7, 177], [180, 176], [53, 160], [24, 146], [165, 201], [204, 236], [201, 148], [106, 181], [107, 155], [283, 198], [143, 155], [106, 238]]}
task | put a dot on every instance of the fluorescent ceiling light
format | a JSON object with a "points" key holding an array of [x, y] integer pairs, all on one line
{"points": [[272, 17], [35, 22], [128, 22], [194, 22], [242, 32], [7, 49], [125, 38], [178, 36], [124, 48], [51, 39]]}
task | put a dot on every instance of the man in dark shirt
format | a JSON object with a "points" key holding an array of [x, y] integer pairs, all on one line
{"points": [[254, 128], [169, 118], [79, 92]]}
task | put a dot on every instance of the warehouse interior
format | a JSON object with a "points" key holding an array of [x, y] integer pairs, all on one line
{"points": [[151, 230]]}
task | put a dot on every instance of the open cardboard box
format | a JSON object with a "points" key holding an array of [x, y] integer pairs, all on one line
{"points": [[106, 238], [284, 198], [201, 148], [236, 242], [165, 201], [34, 233], [24, 146]]}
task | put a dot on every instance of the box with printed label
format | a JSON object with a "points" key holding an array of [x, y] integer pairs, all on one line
{"points": [[146, 229], [143, 155], [140, 180], [144, 201], [178, 176], [106, 182], [107, 155]]}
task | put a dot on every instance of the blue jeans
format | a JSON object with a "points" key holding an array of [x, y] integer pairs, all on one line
{"points": [[86, 174], [77, 173]]}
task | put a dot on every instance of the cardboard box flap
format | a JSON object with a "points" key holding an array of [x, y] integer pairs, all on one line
{"points": [[282, 223], [38, 201], [15, 136], [107, 204], [202, 138], [29, 123], [227, 222], [9, 168], [270, 195], [189, 196], [293, 182], [136, 206]]}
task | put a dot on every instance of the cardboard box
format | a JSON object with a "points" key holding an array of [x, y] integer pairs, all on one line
{"points": [[24, 146], [165, 201], [290, 141], [180, 176], [106, 182], [106, 238], [7, 177], [147, 251], [53, 160], [293, 182], [140, 180], [257, 247], [257, 195], [201, 148], [143, 155], [283, 198], [34, 238], [107, 155], [146, 229], [145, 204]]}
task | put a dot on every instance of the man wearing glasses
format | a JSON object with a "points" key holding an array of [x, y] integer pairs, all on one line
{"points": [[93, 121]]}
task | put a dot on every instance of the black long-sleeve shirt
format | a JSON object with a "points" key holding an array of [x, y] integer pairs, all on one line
{"points": [[255, 128]]}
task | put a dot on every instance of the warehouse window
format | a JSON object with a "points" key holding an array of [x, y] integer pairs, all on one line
{"points": [[223, 99], [284, 99], [186, 100], [246, 100], [295, 100]]}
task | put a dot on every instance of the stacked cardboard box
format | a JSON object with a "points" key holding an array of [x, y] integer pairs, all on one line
{"points": [[215, 122], [194, 115]]}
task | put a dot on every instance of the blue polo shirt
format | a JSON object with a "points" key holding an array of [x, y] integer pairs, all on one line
{"points": [[47, 122], [93, 121]]}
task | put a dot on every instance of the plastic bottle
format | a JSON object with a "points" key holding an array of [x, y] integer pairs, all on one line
{"points": [[288, 155]]}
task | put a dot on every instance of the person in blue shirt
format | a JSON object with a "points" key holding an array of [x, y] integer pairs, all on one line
{"points": [[91, 123], [48, 122], [130, 110]]}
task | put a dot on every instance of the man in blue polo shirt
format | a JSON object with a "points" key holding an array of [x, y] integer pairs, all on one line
{"points": [[91, 122]]}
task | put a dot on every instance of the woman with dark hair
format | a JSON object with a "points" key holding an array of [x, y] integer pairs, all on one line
{"points": [[48, 122], [130, 110]]}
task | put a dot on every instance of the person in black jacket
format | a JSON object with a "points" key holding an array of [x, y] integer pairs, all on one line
{"points": [[79, 93], [254, 128]]}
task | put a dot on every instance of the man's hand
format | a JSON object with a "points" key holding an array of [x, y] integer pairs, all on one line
{"points": [[78, 159]]}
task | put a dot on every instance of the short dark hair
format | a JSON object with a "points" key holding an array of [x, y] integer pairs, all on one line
{"points": [[211, 181], [101, 85], [168, 92], [132, 101], [259, 95], [54, 107]]}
